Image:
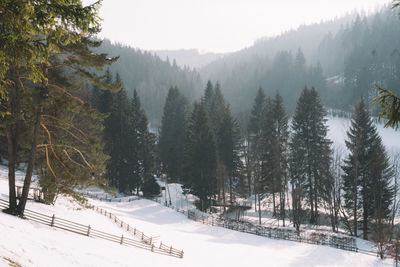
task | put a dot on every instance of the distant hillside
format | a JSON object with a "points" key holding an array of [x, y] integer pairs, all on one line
{"points": [[151, 77], [191, 58], [361, 50]]}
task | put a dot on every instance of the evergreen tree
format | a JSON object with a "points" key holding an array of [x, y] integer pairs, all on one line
{"points": [[173, 133], [254, 129], [201, 157], [367, 173], [229, 146], [269, 157], [142, 147], [310, 152], [282, 132], [209, 96]]}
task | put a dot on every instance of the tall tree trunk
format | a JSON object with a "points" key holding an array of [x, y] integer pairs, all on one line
{"points": [[355, 195], [315, 203], [12, 133], [223, 193], [35, 139], [273, 203], [230, 190], [259, 209], [11, 169]]}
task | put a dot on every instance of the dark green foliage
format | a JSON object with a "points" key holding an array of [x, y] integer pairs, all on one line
{"points": [[367, 173], [389, 105], [310, 153], [173, 133], [229, 148], [150, 187], [201, 157]]}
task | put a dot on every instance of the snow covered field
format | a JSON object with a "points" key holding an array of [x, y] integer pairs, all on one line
{"points": [[31, 244], [339, 126]]}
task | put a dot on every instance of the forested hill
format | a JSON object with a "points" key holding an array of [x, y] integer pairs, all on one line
{"points": [[342, 58], [151, 76]]}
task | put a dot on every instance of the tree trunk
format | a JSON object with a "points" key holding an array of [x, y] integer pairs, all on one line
{"points": [[35, 139], [12, 133], [31, 163], [259, 209], [223, 193], [230, 190], [273, 203], [11, 169]]}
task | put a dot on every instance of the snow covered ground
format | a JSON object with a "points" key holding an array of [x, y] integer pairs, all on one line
{"points": [[31, 244], [339, 126]]}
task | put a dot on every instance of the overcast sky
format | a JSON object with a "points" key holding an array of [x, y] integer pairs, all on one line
{"points": [[214, 25]]}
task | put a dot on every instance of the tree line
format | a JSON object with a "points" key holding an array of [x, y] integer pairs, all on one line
{"points": [[291, 164]]}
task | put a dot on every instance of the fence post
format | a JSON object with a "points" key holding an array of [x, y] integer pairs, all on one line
{"points": [[88, 230], [160, 244], [122, 224], [52, 220], [152, 247], [142, 235], [170, 249], [182, 254], [127, 228], [122, 239], [134, 231]]}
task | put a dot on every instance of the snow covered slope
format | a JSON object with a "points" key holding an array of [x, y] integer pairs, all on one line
{"points": [[32, 244]]}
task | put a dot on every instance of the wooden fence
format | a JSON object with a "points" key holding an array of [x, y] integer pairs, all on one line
{"points": [[139, 234], [87, 230], [345, 243], [331, 240], [103, 197]]}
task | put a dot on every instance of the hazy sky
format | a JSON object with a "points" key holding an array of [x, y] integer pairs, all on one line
{"points": [[214, 25]]}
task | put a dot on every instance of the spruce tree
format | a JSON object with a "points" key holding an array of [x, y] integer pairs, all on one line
{"points": [[229, 146], [282, 132], [173, 133], [269, 157], [209, 96], [201, 157], [310, 153], [254, 130], [367, 173]]}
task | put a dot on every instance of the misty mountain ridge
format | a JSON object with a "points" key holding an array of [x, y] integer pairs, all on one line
{"points": [[191, 58]]}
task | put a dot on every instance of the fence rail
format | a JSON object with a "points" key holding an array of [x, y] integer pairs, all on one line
{"points": [[103, 197], [147, 240], [86, 230], [345, 243]]}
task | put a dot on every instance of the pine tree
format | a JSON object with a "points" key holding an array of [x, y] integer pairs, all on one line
{"points": [[173, 133], [367, 173], [201, 157], [269, 157], [254, 129], [142, 148], [209, 96], [229, 146], [282, 132], [310, 152]]}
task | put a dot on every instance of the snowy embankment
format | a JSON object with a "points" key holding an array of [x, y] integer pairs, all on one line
{"points": [[32, 244]]}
